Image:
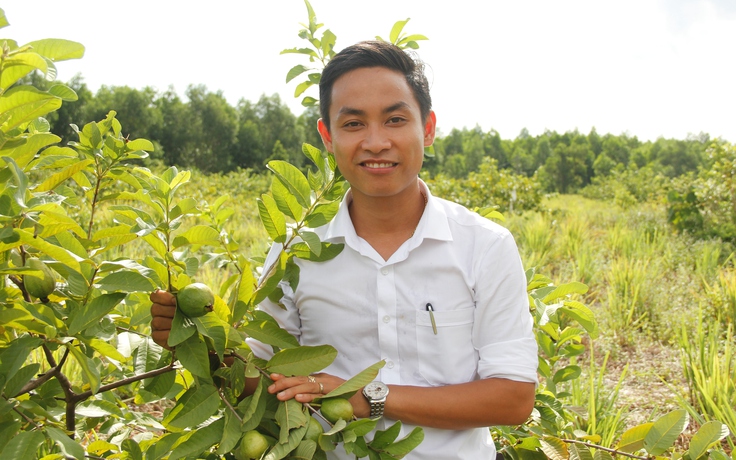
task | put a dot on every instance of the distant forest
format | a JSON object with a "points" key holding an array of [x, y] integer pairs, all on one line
{"points": [[207, 133]]}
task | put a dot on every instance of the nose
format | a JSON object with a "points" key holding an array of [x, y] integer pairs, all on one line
{"points": [[376, 140]]}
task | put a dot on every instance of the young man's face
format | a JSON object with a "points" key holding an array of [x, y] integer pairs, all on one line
{"points": [[376, 132]]}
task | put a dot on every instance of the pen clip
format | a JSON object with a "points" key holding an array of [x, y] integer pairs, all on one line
{"points": [[430, 309]]}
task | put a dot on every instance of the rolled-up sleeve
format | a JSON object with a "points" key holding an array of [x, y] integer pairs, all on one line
{"points": [[503, 327]]}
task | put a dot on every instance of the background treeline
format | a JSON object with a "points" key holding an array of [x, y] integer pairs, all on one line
{"points": [[203, 131]]}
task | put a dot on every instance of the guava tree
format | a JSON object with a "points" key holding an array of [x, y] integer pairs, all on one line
{"points": [[87, 233]]}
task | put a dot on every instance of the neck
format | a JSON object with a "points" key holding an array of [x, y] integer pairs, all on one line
{"points": [[387, 222]]}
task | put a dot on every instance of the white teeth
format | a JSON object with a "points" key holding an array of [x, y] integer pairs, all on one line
{"points": [[378, 165]]}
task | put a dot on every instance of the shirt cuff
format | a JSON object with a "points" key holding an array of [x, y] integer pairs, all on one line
{"points": [[513, 360]]}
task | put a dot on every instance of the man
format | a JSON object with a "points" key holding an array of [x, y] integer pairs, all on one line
{"points": [[435, 290]]}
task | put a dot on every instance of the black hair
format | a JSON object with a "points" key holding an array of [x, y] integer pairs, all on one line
{"points": [[374, 54]]}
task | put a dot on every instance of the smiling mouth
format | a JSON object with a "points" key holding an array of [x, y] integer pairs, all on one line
{"points": [[379, 165]]}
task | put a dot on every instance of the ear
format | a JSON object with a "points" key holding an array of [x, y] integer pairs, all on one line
{"points": [[430, 127], [324, 132]]}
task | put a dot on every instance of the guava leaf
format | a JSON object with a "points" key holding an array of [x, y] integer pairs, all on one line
{"points": [[93, 311], [708, 434], [665, 431], [201, 440], [302, 360], [182, 327], [289, 415], [293, 179], [69, 447], [633, 439], [194, 356], [281, 450], [195, 406], [265, 329], [358, 381], [23, 445], [554, 448], [125, 281]]}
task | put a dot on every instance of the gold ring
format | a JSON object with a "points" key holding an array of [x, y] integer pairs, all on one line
{"points": [[311, 379], [321, 388]]}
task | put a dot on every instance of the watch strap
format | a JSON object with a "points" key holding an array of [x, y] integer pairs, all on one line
{"points": [[377, 407]]}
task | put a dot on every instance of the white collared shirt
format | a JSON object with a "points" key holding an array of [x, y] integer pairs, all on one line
{"points": [[466, 266]]}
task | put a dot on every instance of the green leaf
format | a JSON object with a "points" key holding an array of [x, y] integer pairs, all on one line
{"points": [[201, 440], [665, 430], [554, 448], [106, 349], [23, 376], [633, 439], [194, 356], [211, 326], [131, 447], [24, 445], [162, 446], [69, 447], [564, 290], [301, 87], [362, 427], [281, 450], [570, 372], [198, 234], [303, 360], [23, 104], [358, 381], [58, 49], [295, 72], [289, 415], [182, 327], [398, 26], [265, 329], [231, 433], [254, 406], [55, 252], [90, 373], [313, 242], [708, 434], [602, 455], [327, 252], [125, 281], [63, 92], [93, 311], [272, 219], [582, 314], [285, 201], [322, 214], [194, 407], [383, 438], [15, 354], [293, 179], [404, 446], [579, 452]]}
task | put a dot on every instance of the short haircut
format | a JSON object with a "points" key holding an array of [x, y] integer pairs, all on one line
{"points": [[374, 53]]}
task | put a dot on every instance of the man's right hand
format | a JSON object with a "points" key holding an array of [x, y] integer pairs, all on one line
{"points": [[162, 314]]}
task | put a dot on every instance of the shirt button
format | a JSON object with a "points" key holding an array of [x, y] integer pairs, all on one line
{"points": [[390, 364], [386, 319], [384, 270]]}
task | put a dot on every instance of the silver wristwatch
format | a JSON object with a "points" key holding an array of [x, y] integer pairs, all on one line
{"points": [[376, 393]]}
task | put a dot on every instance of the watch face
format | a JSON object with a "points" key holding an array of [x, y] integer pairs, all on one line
{"points": [[376, 390]]}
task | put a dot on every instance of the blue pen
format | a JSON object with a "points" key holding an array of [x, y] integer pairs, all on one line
{"points": [[430, 309]]}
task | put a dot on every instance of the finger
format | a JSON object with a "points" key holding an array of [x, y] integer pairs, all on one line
{"points": [[162, 298], [161, 338], [166, 311], [161, 323]]}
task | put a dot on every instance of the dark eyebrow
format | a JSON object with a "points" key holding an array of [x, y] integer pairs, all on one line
{"points": [[389, 109]]}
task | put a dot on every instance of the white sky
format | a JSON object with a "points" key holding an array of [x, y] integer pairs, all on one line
{"points": [[649, 68]]}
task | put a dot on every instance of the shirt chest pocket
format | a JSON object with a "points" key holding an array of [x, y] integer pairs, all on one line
{"points": [[447, 357]]}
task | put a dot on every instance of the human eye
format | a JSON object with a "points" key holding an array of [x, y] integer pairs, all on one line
{"points": [[352, 124], [396, 119]]}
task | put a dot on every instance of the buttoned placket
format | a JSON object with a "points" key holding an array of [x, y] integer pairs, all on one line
{"points": [[387, 325]]}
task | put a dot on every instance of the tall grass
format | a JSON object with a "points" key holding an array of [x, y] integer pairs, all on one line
{"points": [[709, 363]]}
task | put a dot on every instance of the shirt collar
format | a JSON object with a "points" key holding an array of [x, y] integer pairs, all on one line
{"points": [[433, 224]]}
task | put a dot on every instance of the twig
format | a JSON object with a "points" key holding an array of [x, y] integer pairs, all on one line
{"points": [[613, 451], [28, 419], [230, 406], [111, 386]]}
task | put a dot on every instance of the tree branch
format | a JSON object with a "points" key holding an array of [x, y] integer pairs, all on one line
{"points": [[111, 386], [613, 451]]}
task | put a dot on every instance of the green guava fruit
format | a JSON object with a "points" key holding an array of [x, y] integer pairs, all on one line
{"points": [[252, 445], [39, 287], [314, 429], [195, 299], [334, 409]]}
